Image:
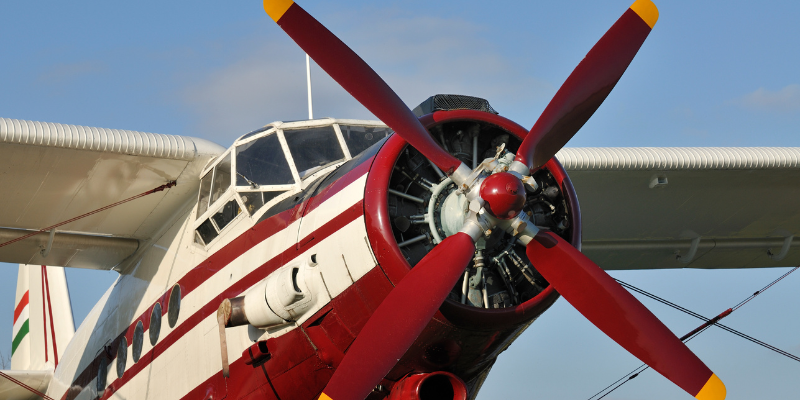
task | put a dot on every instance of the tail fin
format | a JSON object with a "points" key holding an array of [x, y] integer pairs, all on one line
{"points": [[43, 324]]}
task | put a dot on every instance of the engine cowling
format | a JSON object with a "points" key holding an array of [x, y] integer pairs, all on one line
{"points": [[438, 385], [410, 206]]}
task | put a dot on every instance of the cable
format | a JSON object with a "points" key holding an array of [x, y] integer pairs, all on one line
{"points": [[51, 227], [633, 374], [765, 288], [697, 331], [24, 386]]}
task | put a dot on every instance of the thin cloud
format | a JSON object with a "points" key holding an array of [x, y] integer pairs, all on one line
{"points": [[786, 100], [64, 73], [417, 56], [420, 56]]}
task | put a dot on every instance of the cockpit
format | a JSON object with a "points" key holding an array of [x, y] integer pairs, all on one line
{"points": [[273, 162]]}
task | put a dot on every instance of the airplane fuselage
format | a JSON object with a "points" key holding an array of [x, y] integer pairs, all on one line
{"points": [[155, 332]]}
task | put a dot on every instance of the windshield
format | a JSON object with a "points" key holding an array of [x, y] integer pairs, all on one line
{"points": [[313, 148], [205, 190], [359, 138], [261, 162], [222, 178]]}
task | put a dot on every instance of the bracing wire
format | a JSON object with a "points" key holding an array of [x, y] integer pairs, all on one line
{"points": [[708, 322]]}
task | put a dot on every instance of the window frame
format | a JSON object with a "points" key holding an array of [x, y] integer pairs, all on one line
{"points": [[284, 148], [227, 196], [234, 191]]}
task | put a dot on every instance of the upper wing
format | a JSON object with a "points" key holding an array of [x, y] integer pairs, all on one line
{"points": [[53, 172], [646, 208]]}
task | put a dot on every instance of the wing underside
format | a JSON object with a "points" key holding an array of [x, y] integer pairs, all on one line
{"points": [[648, 208], [53, 172], [14, 389]]}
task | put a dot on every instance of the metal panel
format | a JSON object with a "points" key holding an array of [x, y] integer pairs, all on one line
{"points": [[53, 172], [68, 250], [741, 203]]}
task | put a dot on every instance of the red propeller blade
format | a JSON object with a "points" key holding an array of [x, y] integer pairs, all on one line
{"points": [[620, 316], [400, 319], [355, 76], [588, 85]]}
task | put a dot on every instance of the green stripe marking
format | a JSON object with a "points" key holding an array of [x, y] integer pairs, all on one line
{"points": [[20, 335]]}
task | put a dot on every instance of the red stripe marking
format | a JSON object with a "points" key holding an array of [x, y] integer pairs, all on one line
{"points": [[215, 262], [236, 289], [337, 186], [238, 246], [22, 303]]}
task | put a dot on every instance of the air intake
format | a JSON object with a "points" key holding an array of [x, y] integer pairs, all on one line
{"points": [[447, 102]]}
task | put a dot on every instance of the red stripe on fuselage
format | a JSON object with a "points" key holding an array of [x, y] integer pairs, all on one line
{"points": [[215, 262], [337, 186], [22, 303], [236, 289]]}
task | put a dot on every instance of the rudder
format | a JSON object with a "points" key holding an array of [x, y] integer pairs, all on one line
{"points": [[43, 323]]}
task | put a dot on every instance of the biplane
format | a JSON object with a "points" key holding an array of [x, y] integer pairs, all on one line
{"points": [[351, 259]]}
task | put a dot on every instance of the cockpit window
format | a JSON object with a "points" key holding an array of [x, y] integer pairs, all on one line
{"points": [[226, 214], [205, 190], [222, 178], [359, 138], [255, 132], [313, 148], [261, 162]]}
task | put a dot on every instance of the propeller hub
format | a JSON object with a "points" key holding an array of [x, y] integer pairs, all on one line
{"points": [[504, 195]]}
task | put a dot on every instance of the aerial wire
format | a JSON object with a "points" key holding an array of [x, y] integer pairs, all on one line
{"points": [[697, 331], [24, 386], [51, 227]]}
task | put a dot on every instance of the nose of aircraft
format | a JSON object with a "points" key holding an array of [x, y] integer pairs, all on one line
{"points": [[504, 195]]}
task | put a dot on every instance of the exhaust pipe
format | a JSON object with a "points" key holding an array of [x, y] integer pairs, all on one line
{"points": [[438, 385]]}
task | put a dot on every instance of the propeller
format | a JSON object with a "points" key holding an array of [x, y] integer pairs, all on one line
{"points": [[588, 85], [496, 202], [620, 316], [361, 81], [400, 318]]}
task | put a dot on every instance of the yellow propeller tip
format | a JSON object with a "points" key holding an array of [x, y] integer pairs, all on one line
{"points": [[276, 8], [714, 389], [646, 10], [324, 396]]}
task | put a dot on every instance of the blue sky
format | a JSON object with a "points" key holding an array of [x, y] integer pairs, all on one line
{"points": [[708, 75]]}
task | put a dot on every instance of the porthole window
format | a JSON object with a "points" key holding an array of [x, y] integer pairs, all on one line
{"points": [[155, 323], [102, 371], [174, 306], [138, 337], [122, 356]]}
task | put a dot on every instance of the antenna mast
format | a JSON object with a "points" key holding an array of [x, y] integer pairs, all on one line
{"points": [[308, 80]]}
